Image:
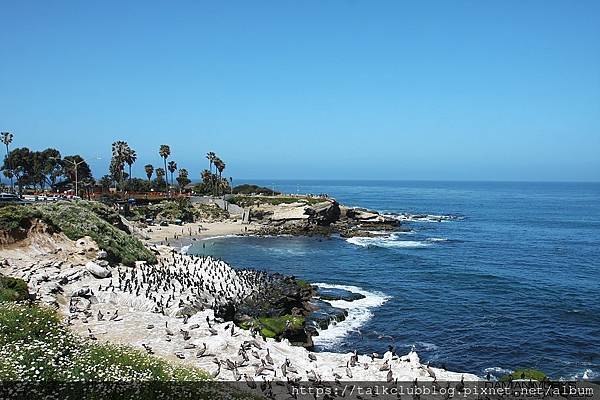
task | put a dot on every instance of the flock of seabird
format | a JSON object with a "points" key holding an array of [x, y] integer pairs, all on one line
{"points": [[183, 281], [181, 285]]}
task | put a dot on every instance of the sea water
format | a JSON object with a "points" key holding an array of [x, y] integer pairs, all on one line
{"points": [[491, 276]]}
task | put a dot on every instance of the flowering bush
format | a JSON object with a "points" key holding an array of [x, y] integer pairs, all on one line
{"points": [[35, 345]]}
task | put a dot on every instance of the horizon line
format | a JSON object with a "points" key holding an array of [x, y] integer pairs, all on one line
{"points": [[410, 180]]}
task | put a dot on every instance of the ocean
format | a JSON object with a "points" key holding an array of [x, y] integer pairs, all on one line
{"points": [[491, 277]]}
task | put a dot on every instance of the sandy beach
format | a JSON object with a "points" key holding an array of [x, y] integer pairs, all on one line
{"points": [[176, 234]]}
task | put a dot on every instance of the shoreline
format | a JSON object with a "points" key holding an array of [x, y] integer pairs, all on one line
{"points": [[133, 328], [144, 306]]}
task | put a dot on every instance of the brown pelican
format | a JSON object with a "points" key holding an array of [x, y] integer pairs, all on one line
{"points": [[201, 352], [250, 381], [269, 358], [167, 330]]}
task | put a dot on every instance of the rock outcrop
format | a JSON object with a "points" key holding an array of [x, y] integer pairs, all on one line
{"points": [[96, 270], [322, 218]]}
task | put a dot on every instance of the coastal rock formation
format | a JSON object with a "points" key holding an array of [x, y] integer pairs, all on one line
{"points": [[324, 315], [319, 218], [176, 308], [329, 294], [97, 270]]}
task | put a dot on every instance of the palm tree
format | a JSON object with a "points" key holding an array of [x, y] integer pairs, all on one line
{"points": [[220, 165], [7, 139], [211, 156], [182, 179], [165, 152], [160, 174], [172, 168], [149, 170], [120, 149], [129, 157]]}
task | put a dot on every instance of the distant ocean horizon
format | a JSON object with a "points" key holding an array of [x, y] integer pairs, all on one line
{"points": [[491, 276], [286, 182]]}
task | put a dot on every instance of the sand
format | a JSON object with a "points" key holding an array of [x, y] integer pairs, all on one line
{"points": [[174, 234]]}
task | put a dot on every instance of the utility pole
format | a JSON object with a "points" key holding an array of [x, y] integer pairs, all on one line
{"points": [[75, 165]]}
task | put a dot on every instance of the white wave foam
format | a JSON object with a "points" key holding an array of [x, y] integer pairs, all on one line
{"points": [[359, 312], [407, 217], [497, 372], [585, 375], [383, 233], [219, 237], [427, 346], [386, 242], [184, 249], [437, 239]]}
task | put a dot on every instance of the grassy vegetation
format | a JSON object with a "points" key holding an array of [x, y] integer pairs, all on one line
{"points": [[245, 200], [211, 212], [181, 210], [525, 373], [13, 289], [273, 327], [78, 219]]}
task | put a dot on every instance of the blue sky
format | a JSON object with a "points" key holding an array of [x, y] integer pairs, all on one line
{"points": [[442, 90]]}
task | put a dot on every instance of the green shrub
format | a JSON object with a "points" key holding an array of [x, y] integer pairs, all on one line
{"points": [[78, 219], [253, 189], [35, 345], [13, 289], [17, 217]]}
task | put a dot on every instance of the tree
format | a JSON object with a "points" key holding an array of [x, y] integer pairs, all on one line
{"points": [[7, 139], [183, 179], [88, 186], [211, 156], [220, 166], [46, 167], [206, 176], [19, 164], [160, 175], [120, 150], [105, 182], [76, 169], [149, 170], [165, 152], [129, 157], [172, 168], [53, 167]]}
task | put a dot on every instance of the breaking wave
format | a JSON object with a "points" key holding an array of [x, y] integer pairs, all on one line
{"points": [[359, 312]]}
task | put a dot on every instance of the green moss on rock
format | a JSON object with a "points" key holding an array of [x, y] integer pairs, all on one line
{"points": [[274, 327], [525, 373]]}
